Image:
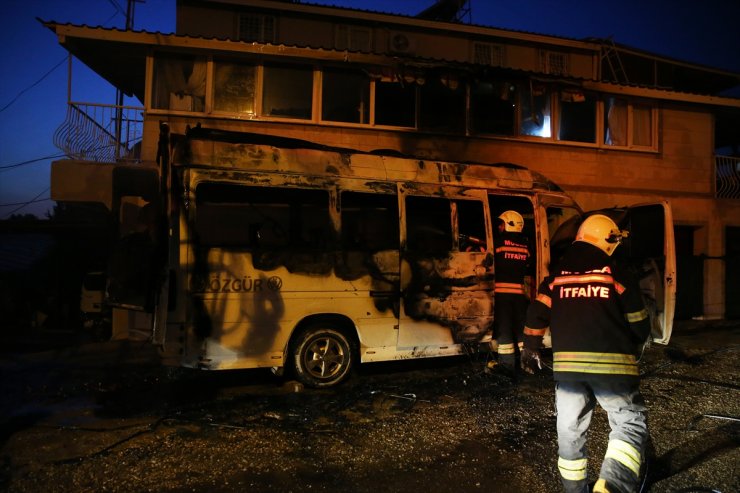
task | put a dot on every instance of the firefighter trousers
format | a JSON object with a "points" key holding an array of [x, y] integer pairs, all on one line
{"points": [[509, 314], [621, 467]]}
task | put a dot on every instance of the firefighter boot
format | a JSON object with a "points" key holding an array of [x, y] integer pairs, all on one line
{"points": [[507, 366]]}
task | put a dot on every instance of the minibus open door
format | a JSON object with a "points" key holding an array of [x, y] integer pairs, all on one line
{"points": [[658, 253], [650, 251]]}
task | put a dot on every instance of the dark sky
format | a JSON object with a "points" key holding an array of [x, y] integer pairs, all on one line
{"points": [[33, 88]]}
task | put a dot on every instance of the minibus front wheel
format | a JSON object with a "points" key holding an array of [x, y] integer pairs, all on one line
{"points": [[322, 355]]}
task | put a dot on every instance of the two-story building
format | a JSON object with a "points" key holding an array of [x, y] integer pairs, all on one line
{"points": [[612, 125]]}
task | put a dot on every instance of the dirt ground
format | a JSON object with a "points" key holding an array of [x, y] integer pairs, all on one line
{"points": [[107, 417]]}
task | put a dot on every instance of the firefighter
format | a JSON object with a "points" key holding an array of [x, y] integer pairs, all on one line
{"points": [[511, 261], [597, 321]]}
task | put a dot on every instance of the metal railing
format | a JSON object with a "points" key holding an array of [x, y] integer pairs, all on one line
{"points": [[728, 177], [101, 132]]}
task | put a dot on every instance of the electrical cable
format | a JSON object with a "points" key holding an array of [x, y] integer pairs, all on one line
{"points": [[30, 161], [10, 204], [27, 203], [119, 10], [33, 85]]}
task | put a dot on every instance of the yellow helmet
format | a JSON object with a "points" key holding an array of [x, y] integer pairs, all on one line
{"points": [[513, 221], [600, 231]]}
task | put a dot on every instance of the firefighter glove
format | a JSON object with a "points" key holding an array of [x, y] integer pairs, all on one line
{"points": [[530, 361]]}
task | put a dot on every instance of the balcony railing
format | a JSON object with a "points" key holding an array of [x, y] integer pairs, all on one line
{"points": [[728, 177], [99, 132]]}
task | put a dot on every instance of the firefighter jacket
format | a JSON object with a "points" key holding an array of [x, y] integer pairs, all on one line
{"points": [[596, 316], [511, 261]]}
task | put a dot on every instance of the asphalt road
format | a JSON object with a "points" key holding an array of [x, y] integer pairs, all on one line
{"points": [[107, 417]]}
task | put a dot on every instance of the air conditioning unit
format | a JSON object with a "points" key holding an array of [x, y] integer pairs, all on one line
{"points": [[401, 43]]}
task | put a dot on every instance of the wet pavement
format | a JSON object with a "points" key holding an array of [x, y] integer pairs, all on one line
{"points": [[107, 417]]}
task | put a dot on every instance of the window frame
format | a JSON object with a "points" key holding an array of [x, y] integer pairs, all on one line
{"points": [[262, 38], [495, 54], [415, 79], [630, 124], [345, 37]]}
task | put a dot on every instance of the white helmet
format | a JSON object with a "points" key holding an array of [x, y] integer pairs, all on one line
{"points": [[513, 221], [600, 231]]}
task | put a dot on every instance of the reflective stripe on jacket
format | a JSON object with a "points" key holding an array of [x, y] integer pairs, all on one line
{"points": [[595, 313]]}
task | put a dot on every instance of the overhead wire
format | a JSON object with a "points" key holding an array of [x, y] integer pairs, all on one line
{"points": [[21, 205], [30, 161], [26, 204], [119, 10], [33, 85], [11, 204]]}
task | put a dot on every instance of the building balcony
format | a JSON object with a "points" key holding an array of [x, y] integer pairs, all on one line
{"points": [[728, 177], [101, 133]]}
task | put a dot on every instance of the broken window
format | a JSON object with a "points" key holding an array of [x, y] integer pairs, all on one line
{"points": [[262, 217], [577, 122], [493, 107], [428, 225], [345, 96], [287, 91], [442, 103], [395, 103], [233, 88], [369, 221], [535, 110], [471, 225]]}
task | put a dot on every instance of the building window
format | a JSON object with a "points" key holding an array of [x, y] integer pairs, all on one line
{"points": [[535, 110], [493, 107], [642, 127], [395, 103], [260, 28], [179, 83], [552, 62], [577, 116], [353, 38], [627, 124], [345, 96], [442, 103], [287, 91], [615, 122], [233, 88], [488, 54]]}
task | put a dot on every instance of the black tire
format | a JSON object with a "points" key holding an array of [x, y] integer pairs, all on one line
{"points": [[322, 356]]}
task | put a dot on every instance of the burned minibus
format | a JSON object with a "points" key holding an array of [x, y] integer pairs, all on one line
{"points": [[251, 251]]}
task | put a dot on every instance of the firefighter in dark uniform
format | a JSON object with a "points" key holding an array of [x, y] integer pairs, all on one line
{"points": [[511, 261], [597, 321]]}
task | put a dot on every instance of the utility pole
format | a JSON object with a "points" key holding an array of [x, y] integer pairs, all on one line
{"points": [[119, 94]]}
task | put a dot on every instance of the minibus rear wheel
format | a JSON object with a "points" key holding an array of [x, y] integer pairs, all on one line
{"points": [[322, 355]]}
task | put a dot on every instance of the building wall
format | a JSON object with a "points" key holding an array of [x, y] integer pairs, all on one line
{"points": [[684, 164], [448, 42], [680, 171]]}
